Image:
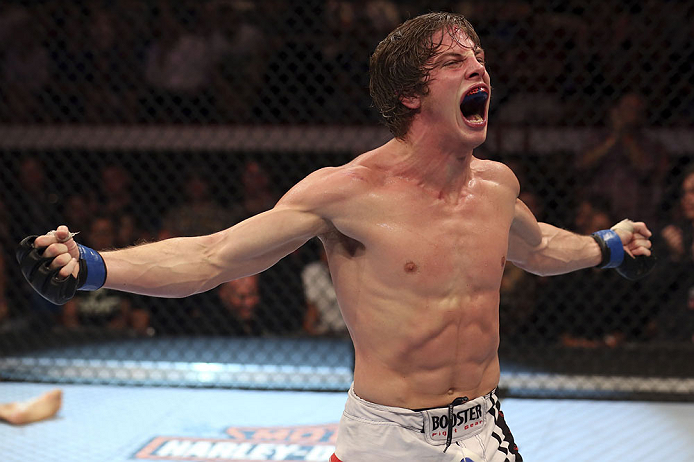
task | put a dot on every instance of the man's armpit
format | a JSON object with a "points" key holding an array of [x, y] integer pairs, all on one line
{"points": [[525, 226]]}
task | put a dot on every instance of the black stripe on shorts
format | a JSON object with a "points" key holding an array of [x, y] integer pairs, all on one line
{"points": [[503, 435]]}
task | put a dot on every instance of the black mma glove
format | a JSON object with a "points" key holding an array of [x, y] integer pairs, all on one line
{"points": [[48, 283]]}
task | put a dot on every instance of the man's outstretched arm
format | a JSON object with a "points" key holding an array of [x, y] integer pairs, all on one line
{"points": [[183, 266], [546, 250], [55, 265]]}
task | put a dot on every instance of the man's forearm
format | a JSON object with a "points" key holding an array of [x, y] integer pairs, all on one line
{"points": [[179, 267], [561, 252], [175, 267]]}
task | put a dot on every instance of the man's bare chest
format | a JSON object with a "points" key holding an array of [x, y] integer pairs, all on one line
{"points": [[415, 239]]}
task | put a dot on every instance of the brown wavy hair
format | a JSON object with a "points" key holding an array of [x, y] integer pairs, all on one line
{"points": [[399, 68]]}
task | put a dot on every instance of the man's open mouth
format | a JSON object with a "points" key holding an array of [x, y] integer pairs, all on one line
{"points": [[474, 105]]}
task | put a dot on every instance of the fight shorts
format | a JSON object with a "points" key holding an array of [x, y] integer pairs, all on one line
{"points": [[465, 431]]}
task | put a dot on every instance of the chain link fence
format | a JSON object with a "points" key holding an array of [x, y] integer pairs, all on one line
{"points": [[135, 121]]}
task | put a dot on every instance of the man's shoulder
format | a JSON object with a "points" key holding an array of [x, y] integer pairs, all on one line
{"points": [[496, 172], [331, 184], [348, 178]]}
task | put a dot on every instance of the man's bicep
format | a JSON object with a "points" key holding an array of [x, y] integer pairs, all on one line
{"points": [[525, 235], [261, 241], [305, 211]]}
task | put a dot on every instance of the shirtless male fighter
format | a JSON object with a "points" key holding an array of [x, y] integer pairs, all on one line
{"points": [[417, 233]]}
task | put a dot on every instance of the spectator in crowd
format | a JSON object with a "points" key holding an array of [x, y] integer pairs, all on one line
{"points": [[5, 239], [199, 214], [241, 303], [235, 309], [297, 83], [281, 287], [105, 308], [615, 48], [24, 67], [129, 231], [79, 210], [116, 193], [352, 28], [519, 289], [592, 212], [36, 196], [608, 314], [109, 79], [323, 316], [258, 191], [65, 24], [678, 237], [4, 247], [117, 199], [241, 51], [626, 166], [196, 215], [675, 277], [179, 65], [684, 55], [36, 203], [4, 308]]}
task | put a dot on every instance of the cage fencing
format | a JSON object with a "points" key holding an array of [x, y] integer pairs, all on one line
{"points": [[137, 121]]}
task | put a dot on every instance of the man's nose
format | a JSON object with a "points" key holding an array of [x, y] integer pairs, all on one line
{"points": [[475, 70]]}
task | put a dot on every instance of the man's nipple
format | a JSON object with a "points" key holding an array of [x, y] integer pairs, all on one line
{"points": [[410, 267]]}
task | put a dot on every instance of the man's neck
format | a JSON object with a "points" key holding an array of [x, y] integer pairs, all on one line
{"points": [[445, 171]]}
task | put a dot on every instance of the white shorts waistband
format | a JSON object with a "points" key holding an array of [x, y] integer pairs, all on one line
{"points": [[406, 418]]}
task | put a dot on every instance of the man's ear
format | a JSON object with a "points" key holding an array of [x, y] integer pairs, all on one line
{"points": [[412, 102]]}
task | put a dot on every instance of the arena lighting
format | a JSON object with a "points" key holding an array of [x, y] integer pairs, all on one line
{"points": [[206, 367]]}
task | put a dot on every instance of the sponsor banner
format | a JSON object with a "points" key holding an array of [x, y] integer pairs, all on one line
{"points": [[247, 444]]}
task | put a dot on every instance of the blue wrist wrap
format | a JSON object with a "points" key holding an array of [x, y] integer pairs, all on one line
{"points": [[96, 268], [613, 250]]}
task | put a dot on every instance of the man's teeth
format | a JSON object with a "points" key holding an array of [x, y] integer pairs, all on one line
{"points": [[475, 118]]}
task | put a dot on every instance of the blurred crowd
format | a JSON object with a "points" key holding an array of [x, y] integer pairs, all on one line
{"points": [[622, 173], [296, 296], [130, 199], [239, 61]]}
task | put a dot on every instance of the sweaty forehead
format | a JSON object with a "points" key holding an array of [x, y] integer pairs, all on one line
{"points": [[454, 38]]}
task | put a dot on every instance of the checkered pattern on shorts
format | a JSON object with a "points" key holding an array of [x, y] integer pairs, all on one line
{"points": [[502, 433]]}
